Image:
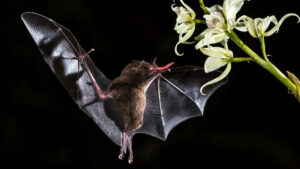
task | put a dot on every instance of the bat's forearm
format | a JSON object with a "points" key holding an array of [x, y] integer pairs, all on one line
{"points": [[98, 89]]}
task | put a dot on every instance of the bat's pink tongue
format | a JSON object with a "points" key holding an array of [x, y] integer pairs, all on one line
{"points": [[165, 67]]}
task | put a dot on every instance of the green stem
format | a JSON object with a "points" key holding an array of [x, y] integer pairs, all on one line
{"points": [[263, 47], [203, 7], [241, 59], [200, 21], [265, 64]]}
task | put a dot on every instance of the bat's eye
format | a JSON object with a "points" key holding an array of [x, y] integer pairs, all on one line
{"points": [[145, 68]]}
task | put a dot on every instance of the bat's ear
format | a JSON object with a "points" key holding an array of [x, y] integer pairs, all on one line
{"points": [[154, 61]]}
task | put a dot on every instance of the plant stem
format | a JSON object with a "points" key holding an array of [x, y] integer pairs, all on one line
{"points": [[265, 64], [263, 47], [200, 21], [203, 7], [241, 59]]}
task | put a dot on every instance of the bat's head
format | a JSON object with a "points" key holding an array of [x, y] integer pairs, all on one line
{"points": [[141, 71]]}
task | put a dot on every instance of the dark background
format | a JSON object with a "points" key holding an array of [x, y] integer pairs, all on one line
{"points": [[251, 122]]}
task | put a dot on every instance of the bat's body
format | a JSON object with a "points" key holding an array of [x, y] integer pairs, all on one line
{"points": [[143, 99], [126, 93]]}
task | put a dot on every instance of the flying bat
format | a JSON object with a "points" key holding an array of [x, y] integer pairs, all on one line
{"points": [[144, 98]]}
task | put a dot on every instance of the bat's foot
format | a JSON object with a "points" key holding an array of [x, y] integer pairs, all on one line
{"points": [[130, 158], [121, 155]]}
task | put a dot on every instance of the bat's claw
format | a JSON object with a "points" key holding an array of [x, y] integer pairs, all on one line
{"points": [[121, 155], [130, 159]]}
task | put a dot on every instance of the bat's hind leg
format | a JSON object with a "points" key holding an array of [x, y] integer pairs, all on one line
{"points": [[121, 155], [130, 157]]}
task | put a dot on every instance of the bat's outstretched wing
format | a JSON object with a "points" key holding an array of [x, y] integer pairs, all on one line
{"points": [[59, 49], [175, 97], [172, 98]]}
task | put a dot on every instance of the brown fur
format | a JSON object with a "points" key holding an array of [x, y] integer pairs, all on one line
{"points": [[127, 92]]}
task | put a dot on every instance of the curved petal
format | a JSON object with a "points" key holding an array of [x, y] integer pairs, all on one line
{"points": [[193, 14], [175, 8], [182, 17], [241, 26], [277, 26], [189, 32], [225, 42], [231, 8], [217, 52], [217, 79], [215, 8], [202, 34], [211, 37], [183, 39], [266, 23], [182, 28], [213, 63], [176, 50], [258, 24], [249, 23]]}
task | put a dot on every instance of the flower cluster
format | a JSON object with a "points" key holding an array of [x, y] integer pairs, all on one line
{"points": [[185, 23], [221, 21]]}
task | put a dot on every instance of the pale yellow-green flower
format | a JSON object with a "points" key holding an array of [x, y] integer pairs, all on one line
{"points": [[218, 21], [259, 26], [230, 9], [185, 24], [217, 58]]}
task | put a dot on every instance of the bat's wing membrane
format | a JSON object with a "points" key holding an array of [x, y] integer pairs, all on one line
{"points": [[59, 48], [175, 97]]}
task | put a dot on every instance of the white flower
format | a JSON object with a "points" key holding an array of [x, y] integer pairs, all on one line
{"points": [[258, 27], [218, 57], [230, 9], [218, 21], [185, 24]]}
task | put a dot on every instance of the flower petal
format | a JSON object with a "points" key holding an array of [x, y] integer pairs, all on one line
{"points": [[213, 63], [202, 34], [217, 52], [249, 23], [193, 14], [214, 19], [215, 8], [182, 28], [211, 36], [231, 8], [241, 26], [190, 32], [217, 79], [225, 42], [277, 26], [175, 8], [183, 38], [266, 23], [176, 50]]}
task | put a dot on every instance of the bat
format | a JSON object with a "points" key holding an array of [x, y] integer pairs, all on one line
{"points": [[145, 98]]}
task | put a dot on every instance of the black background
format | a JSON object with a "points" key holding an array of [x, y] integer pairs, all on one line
{"points": [[251, 122]]}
